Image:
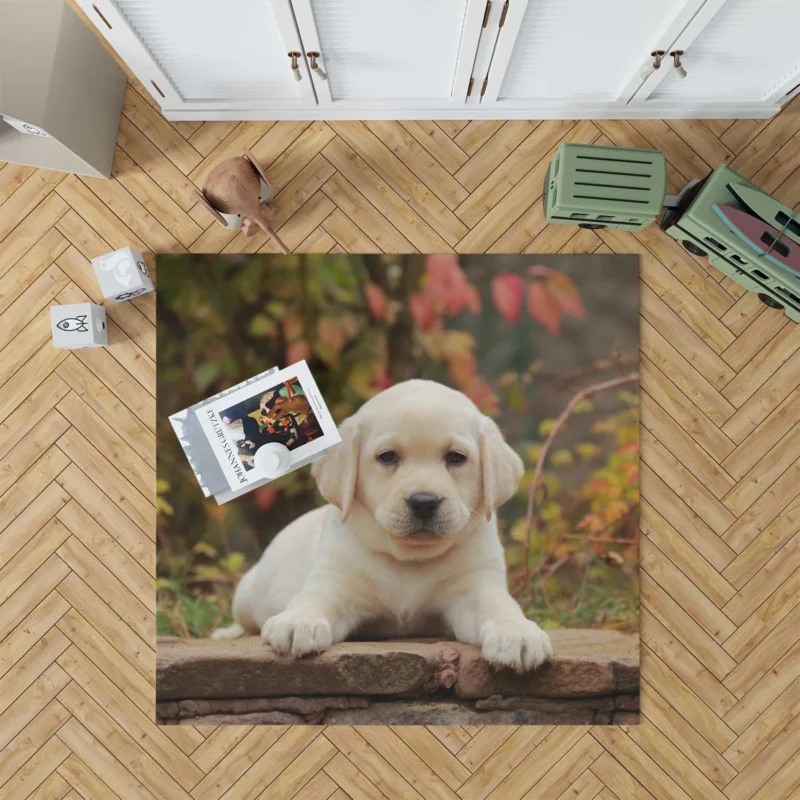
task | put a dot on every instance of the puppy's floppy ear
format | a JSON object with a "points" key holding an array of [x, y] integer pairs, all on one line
{"points": [[502, 468], [336, 472]]}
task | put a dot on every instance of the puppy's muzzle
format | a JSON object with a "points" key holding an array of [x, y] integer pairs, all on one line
{"points": [[423, 505]]}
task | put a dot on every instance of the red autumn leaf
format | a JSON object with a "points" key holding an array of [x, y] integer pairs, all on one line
{"points": [[384, 382], [297, 351], [543, 306], [423, 311], [447, 286], [507, 293], [265, 497], [441, 265], [376, 300]]}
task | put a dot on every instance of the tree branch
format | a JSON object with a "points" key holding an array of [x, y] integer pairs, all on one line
{"points": [[602, 365], [583, 394]]}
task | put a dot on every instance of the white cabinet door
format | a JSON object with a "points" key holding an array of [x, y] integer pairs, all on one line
{"points": [[737, 51], [391, 53], [208, 54], [576, 54]]}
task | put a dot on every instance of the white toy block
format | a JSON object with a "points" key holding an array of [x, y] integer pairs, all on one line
{"points": [[79, 325], [122, 274]]}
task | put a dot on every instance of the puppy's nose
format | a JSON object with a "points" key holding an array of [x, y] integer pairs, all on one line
{"points": [[423, 504]]}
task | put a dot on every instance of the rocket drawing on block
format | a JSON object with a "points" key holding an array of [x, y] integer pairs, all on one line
{"points": [[74, 324], [79, 325]]}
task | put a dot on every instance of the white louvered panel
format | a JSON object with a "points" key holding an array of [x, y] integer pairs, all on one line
{"points": [[389, 49], [214, 50], [582, 49], [747, 48]]}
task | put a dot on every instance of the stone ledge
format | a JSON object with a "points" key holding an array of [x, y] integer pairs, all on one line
{"points": [[592, 678], [413, 711]]}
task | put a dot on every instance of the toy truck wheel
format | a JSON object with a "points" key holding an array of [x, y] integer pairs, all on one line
{"points": [[769, 301], [592, 226], [693, 248]]}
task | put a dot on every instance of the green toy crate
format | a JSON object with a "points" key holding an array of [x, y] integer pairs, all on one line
{"points": [[605, 187], [702, 232]]}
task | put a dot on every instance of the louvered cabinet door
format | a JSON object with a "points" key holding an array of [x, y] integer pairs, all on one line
{"points": [[738, 51], [387, 54], [208, 54], [565, 54]]}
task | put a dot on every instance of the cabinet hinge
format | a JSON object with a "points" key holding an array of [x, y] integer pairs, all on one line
{"points": [[503, 15], [485, 83], [486, 13], [469, 87]]}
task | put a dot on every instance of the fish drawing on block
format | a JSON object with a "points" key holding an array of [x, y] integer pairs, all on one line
{"points": [[763, 238], [77, 324]]}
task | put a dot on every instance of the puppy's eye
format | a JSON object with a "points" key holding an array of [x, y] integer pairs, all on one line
{"points": [[388, 457], [454, 458]]}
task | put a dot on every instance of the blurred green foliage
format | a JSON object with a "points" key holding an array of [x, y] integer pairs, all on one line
{"points": [[519, 338]]}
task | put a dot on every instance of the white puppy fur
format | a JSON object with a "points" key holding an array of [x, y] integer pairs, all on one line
{"points": [[409, 544]]}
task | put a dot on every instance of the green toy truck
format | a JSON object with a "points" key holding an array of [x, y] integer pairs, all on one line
{"points": [[695, 224], [611, 187], [605, 187]]}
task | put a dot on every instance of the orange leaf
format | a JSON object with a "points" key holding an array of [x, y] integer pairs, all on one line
{"points": [[463, 367], [563, 289], [330, 333], [349, 325], [482, 394], [376, 300], [297, 351], [566, 293], [507, 295], [473, 300], [292, 326], [543, 306]]}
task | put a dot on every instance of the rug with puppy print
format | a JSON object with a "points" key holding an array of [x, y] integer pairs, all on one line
{"points": [[456, 539]]}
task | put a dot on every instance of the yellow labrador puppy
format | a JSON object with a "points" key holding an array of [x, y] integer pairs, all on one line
{"points": [[409, 540]]}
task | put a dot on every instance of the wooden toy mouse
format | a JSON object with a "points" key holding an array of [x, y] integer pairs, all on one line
{"points": [[233, 194]]}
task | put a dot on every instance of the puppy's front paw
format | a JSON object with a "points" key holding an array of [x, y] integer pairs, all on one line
{"points": [[520, 645], [296, 634]]}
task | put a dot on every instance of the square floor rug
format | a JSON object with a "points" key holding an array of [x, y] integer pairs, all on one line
{"points": [[457, 540]]}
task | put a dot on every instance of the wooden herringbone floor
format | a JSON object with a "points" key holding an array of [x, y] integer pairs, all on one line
{"points": [[720, 486]]}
